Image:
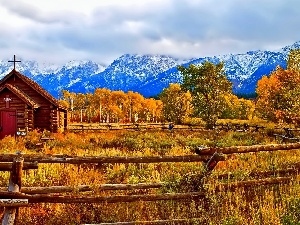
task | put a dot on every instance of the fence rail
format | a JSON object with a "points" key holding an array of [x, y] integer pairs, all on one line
{"points": [[284, 132], [18, 196], [247, 149], [162, 126], [154, 222], [118, 187], [132, 126], [203, 154], [85, 188], [34, 197], [104, 159]]}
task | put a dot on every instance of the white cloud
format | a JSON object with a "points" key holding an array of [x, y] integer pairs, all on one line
{"points": [[63, 30]]}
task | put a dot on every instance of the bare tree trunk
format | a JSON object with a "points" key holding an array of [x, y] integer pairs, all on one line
{"points": [[100, 113]]}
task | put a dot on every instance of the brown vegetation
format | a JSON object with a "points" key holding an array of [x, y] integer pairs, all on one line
{"points": [[236, 203]]}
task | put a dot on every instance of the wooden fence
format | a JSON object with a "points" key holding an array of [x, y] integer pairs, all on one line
{"points": [[160, 126], [18, 196], [131, 126]]}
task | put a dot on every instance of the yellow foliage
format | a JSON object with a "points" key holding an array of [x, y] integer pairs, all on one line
{"points": [[227, 204], [177, 104], [237, 108]]}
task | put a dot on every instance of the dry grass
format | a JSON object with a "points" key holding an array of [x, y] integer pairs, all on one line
{"points": [[259, 205]]}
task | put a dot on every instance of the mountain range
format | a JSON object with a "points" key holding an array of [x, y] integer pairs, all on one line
{"points": [[148, 74]]}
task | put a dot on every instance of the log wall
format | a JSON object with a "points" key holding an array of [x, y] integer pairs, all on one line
{"points": [[14, 104], [45, 117]]}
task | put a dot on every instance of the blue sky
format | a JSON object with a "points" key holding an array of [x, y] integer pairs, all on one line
{"points": [[58, 31]]}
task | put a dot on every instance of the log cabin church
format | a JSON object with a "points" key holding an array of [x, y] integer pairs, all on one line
{"points": [[25, 106]]}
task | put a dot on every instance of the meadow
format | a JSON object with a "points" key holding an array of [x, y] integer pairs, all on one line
{"points": [[258, 204]]}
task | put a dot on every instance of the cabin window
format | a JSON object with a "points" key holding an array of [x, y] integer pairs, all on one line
{"points": [[7, 100]]}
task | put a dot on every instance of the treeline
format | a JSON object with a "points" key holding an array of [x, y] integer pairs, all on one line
{"points": [[174, 105], [109, 106], [204, 93]]}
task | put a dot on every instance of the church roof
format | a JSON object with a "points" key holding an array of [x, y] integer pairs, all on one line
{"points": [[21, 95], [32, 84]]}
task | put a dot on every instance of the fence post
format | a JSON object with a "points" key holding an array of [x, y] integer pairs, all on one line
{"points": [[205, 200], [213, 161], [10, 213]]}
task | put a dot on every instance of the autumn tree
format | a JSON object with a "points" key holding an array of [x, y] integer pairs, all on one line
{"points": [[279, 95], [207, 83], [176, 103], [89, 106], [68, 101], [245, 109], [293, 62], [80, 104], [117, 104], [134, 105], [237, 108], [149, 109], [65, 100], [111, 106], [101, 96]]}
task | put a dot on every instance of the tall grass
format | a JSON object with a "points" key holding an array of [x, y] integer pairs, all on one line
{"points": [[277, 204]]}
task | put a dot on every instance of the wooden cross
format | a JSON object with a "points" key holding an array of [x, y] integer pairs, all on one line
{"points": [[14, 61]]}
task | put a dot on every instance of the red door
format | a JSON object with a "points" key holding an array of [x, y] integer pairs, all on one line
{"points": [[8, 123]]}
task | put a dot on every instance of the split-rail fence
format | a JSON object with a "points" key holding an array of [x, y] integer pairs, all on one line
{"points": [[160, 126], [16, 195]]}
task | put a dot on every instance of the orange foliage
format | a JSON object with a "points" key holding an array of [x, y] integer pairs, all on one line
{"points": [[278, 95]]}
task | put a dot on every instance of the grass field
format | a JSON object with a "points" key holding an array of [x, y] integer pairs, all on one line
{"points": [[262, 204]]}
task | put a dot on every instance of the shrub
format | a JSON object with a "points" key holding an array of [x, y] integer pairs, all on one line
{"points": [[194, 121]]}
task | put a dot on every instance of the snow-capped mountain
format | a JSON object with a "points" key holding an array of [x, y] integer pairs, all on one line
{"points": [[131, 71], [147, 74]]}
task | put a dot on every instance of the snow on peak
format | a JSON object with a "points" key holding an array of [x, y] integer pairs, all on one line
{"points": [[133, 71]]}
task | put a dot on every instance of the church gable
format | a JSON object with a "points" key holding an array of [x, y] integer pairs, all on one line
{"points": [[25, 105], [17, 93], [31, 88]]}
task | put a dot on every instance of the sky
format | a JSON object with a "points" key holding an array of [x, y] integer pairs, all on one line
{"points": [[59, 31]]}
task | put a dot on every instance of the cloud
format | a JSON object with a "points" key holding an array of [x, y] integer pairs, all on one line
{"points": [[33, 13], [182, 28]]}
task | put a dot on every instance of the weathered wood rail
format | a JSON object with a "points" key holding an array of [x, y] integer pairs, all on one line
{"points": [[262, 174], [154, 222], [13, 198], [239, 127], [24, 196], [288, 135], [132, 126], [162, 126], [43, 191], [104, 159], [203, 154], [247, 149]]}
